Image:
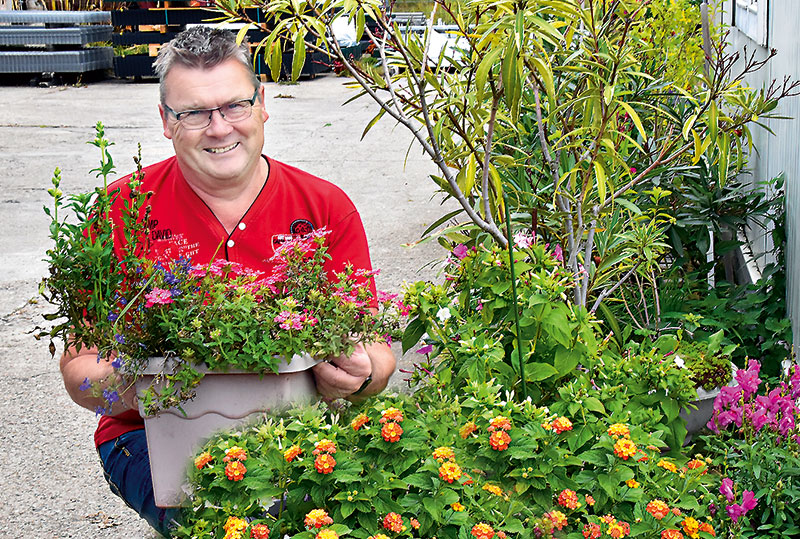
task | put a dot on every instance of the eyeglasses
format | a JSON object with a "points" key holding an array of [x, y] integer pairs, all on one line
{"points": [[201, 118]]}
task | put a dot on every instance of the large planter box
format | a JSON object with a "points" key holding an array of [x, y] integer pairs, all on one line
{"points": [[223, 400]]}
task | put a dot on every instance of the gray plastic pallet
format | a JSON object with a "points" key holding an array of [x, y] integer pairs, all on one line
{"points": [[55, 17], [78, 61], [77, 35]]}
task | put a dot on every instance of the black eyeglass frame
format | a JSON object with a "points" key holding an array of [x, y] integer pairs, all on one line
{"points": [[179, 115]]}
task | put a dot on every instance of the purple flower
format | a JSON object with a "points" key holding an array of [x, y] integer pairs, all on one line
{"points": [[558, 253], [85, 385], [748, 379], [112, 317], [120, 338], [427, 349], [460, 251], [726, 489], [118, 362], [110, 396], [728, 396], [99, 411], [749, 500], [170, 278]]}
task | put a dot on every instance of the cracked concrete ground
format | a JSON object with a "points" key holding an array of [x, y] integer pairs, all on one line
{"points": [[50, 481]]}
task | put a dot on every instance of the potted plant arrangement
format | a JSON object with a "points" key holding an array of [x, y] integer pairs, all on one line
{"points": [[167, 324], [710, 368]]}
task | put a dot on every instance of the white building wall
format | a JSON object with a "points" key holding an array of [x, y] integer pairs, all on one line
{"points": [[779, 153]]}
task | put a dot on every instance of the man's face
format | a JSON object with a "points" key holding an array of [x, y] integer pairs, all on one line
{"points": [[223, 153]]}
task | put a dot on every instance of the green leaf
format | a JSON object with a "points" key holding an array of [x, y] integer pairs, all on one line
{"points": [[565, 360], [482, 73], [594, 404], [412, 334], [635, 118], [299, 56], [601, 180], [536, 372]]}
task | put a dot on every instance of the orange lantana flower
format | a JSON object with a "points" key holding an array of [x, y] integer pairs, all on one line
{"points": [[450, 471], [466, 429], [324, 446], [482, 531], [667, 465], [706, 527], [494, 489], [391, 432], [624, 448], [326, 533], [569, 499], [359, 421], [619, 429], [235, 470], [691, 527], [391, 414], [292, 453], [259, 531], [202, 460], [457, 506], [444, 453], [235, 453], [561, 424], [499, 422], [324, 463], [558, 519], [671, 534], [394, 523], [658, 509], [499, 440], [317, 518]]}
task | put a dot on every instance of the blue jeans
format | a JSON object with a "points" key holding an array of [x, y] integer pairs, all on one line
{"points": [[126, 466]]}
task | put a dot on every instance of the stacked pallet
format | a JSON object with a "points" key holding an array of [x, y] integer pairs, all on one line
{"points": [[54, 41], [155, 26]]}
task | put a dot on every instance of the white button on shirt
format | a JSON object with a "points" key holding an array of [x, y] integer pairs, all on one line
{"points": [[242, 226], [231, 243]]}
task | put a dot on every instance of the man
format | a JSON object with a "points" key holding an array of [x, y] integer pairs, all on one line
{"points": [[219, 194]]}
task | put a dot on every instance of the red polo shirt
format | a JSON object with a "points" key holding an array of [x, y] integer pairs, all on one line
{"points": [[292, 202]]}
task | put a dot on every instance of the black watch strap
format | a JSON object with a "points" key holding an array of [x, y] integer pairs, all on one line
{"points": [[366, 383]]}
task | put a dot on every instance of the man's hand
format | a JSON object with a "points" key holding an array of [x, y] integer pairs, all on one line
{"points": [[343, 376]]}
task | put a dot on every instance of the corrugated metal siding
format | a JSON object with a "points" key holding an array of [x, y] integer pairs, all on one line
{"points": [[780, 153]]}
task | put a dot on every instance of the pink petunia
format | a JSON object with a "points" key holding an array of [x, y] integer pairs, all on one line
{"points": [[460, 251], [726, 489]]}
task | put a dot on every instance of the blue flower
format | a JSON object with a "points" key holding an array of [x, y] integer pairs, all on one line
{"points": [[120, 338], [110, 396], [100, 411], [175, 292], [171, 278], [112, 317], [118, 362], [85, 385]]}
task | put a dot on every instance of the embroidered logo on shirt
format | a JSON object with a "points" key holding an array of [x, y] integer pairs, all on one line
{"points": [[299, 227]]}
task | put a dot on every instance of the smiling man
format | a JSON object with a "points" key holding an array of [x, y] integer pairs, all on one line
{"points": [[219, 196]]}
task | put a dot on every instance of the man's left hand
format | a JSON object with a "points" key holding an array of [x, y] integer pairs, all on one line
{"points": [[343, 376]]}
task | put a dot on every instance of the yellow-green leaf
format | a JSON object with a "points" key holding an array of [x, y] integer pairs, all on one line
{"points": [[688, 126], [608, 93], [360, 23], [635, 119], [713, 120], [601, 180], [299, 58], [275, 60], [698, 147], [546, 76], [243, 32]]}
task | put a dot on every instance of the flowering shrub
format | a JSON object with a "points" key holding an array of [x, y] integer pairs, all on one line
{"points": [[548, 477], [221, 314], [756, 445]]}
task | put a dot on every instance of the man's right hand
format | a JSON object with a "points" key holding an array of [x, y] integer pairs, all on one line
{"points": [[78, 367]]}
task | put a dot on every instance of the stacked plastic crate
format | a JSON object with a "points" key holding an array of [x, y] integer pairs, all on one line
{"points": [[54, 41]]}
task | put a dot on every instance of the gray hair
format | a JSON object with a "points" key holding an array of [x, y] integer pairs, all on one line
{"points": [[201, 47]]}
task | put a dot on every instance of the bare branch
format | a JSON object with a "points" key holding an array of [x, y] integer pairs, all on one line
{"points": [[608, 291]]}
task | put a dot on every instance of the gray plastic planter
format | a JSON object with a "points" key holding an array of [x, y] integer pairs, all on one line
{"points": [[223, 400], [32, 35], [55, 17]]}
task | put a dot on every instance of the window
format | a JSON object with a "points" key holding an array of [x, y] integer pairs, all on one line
{"points": [[750, 17]]}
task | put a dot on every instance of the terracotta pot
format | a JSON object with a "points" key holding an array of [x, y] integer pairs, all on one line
{"points": [[223, 400]]}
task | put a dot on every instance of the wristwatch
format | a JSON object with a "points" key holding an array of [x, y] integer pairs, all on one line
{"points": [[367, 382]]}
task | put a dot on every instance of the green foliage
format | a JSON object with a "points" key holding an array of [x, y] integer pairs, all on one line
{"points": [[709, 365], [469, 321]]}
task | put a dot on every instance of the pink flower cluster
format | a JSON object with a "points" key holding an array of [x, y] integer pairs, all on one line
{"points": [[290, 320], [777, 409], [158, 296], [737, 510]]}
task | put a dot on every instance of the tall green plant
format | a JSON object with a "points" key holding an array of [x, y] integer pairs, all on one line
{"points": [[561, 94]]}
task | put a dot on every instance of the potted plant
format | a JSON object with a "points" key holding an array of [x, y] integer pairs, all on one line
{"points": [[710, 368], [167, 324]]}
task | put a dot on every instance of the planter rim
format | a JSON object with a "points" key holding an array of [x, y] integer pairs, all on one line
{"points": [[298, 362]]}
